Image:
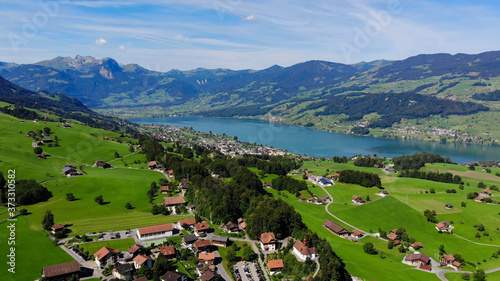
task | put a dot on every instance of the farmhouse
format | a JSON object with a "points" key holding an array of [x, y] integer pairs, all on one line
{"points": [[164, 189], [184, 184], [106, 256], [275, 266], [444, 226], [203, 245], [142, 260], [242, 223], [357, 233], [153, 165], [356, 199], [189, 223], [231, 227], [301, 251], [189, 239], [122, 271], [173, 276], [417, 245], [136, 249], [268, 241], [168, 251], [383, 193], [57, 227], [173, 201], [206, 258], [336, 228], [61, 271], [155, 231], [394, 237], [417, 259], [449, 260], [479, 198], [210, 276], [325, 181], [449, 206], [220, 241], [201, 228], [485, 193]]}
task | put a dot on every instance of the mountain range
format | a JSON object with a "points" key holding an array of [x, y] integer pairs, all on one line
{"points": [[299, 93]]}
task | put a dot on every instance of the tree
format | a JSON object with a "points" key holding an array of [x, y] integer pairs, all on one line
{"points": [[48, 220], [430, 215], [463, 204], [247, 253], [471, 167], [465, 276], [432, 190], [160, 267], [479, 275], [117, 155], [481, 185], [70, 197], [37, 150], [99, 200], [390, 245], [231, 254], [370, 249], [478, 235], [23, 212], [441, 250], [128, 206]]}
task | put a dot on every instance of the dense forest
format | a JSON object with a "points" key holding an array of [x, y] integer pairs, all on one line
{"points": [[361, 178], [287, 183], [393, 107], [491, 96], [418, 160]]}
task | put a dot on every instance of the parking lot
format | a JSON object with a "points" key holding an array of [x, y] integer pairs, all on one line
{"points": [[110, 235], [247, 271]]}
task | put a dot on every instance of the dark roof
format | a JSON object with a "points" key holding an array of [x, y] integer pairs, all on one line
{"points": [[335, 227], [231, 225], [171, 276], [220, 239], [209, 275], [423, 257], [190, 238], [141, 279], [61, 269], [325, 181], [124, 267]]}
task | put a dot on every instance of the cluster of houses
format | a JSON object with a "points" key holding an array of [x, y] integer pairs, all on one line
{"points": [[444, 226], [483, 194], [102, 164], [423, 261], [316, 200], [320, 180], [356, 199]]}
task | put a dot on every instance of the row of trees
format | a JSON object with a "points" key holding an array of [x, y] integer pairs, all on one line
{"points": [[369, 161], [432, 176], [418, 160], [361, 178]]}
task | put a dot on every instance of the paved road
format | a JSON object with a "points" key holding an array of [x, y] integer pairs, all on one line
{"points": [[220, 269]]}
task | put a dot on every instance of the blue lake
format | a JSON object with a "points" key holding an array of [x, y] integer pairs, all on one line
{"points": [[300, 140]]}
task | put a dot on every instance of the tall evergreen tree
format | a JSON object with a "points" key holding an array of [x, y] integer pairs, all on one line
{"points": [[48, 220]]}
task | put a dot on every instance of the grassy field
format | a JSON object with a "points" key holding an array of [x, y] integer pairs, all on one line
{"points": [[119, 244], [33, 251]]}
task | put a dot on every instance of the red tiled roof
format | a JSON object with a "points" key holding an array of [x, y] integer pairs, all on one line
{"points": [[206, 256], [413, 257], [419, 244], [167, 250], [200, 243], [267, 238], [134, 248], [188, 222], [57, 227], [164, 188], [448, 258], [155, 228], [425, 267], [175, 200], [303, 248], [356, 232], [61, 269], [140, 259], [275, 264], [201, 226], [104, 251]]}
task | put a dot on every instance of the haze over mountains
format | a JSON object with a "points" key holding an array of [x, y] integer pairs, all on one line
{"points": [[301, 91]]}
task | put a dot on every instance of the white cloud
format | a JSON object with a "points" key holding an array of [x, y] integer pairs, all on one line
{"points": [[250, 17], [101, 41], [122, 48]]}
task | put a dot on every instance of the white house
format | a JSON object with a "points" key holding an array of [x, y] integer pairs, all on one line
{"points": [[301, 251]]}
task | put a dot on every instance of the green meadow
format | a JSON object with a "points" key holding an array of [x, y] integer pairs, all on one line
{"points": [[33, 251]]}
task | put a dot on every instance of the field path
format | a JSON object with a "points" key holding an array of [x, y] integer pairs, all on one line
{"points": [[72, 160], [482, 244]]}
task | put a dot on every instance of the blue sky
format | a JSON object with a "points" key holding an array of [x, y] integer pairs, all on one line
{"points": [[242, 34]]}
